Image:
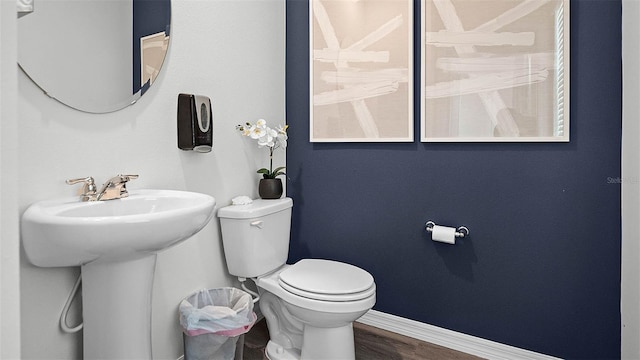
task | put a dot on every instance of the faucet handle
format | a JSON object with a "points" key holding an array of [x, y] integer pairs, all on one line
{"points": [[122, 185], [88, 188], [88, 182], [126, 178]]}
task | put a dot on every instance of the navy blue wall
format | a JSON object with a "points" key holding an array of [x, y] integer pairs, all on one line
{"points": [[541, 269]]}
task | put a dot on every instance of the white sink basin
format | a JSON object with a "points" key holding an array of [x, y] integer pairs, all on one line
{"points": [[115, 242], [68, 232]]}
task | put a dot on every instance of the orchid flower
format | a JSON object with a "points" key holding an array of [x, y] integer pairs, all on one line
{"points": [[271, 138]]}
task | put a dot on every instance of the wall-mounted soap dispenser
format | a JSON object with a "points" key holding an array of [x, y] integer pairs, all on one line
{"points": [[195, 123]]}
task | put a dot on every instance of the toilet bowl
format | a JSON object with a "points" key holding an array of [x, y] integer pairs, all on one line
{"points": [[321, 300], [309, 306]]}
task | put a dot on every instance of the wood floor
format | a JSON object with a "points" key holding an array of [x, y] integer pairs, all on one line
{"points": [[371, 344]]}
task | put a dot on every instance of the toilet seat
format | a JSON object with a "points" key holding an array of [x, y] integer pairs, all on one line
{"points": [[327, 280], [271, 283]]}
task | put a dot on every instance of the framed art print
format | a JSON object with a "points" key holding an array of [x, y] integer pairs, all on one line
{"points": [[361, 69], [494, 70]]}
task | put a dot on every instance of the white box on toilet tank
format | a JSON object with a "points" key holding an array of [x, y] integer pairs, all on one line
{"points": [[256, 236]]}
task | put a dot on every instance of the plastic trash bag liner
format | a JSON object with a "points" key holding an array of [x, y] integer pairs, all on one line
{"points": [[211, 347], [222, 311]]}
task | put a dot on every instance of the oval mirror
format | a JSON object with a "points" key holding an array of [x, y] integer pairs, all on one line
{"points": [[96, 56]]}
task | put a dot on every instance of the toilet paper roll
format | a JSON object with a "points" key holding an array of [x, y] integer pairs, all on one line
{"points": [[443, 234]]}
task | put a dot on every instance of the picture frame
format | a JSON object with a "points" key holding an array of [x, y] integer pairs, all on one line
{"points": [[494, 71], [361, 71]]}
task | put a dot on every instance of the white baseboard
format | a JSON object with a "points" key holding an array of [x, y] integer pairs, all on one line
{"points": [[451, 339]]}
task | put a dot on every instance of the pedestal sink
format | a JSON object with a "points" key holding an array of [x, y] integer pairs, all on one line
{"points": [[115, 242]]}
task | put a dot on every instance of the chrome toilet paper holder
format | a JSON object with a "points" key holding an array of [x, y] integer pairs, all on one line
{"points": [[461, 231]]}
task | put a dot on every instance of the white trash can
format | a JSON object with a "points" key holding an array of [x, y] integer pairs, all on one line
{"points": [[212, 320]]}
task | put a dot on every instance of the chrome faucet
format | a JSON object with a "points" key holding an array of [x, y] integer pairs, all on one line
{"points": [[114, 188]]}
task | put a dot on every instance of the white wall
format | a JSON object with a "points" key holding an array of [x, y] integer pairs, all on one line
{"points": [[9, 238], [231, 51], [630, 297]]}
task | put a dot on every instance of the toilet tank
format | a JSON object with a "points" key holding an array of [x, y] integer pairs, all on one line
{"points": [[256, 236]]}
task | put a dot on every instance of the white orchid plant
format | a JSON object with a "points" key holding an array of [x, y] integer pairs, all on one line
{"points": [[271, 138]]}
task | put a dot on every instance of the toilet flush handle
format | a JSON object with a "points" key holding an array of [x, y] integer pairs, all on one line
{"points": [[257, 223]]}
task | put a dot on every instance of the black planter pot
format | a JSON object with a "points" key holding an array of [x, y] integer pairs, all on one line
{"points": [[270, 188]]}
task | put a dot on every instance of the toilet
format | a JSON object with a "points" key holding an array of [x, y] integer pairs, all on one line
{"points": [[309, 306]]}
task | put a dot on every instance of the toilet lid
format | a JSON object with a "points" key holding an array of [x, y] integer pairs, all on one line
{"points": [[327, 280]]}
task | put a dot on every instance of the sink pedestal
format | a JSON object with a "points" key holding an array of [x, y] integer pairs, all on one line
{"points": [[116, 307]]}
